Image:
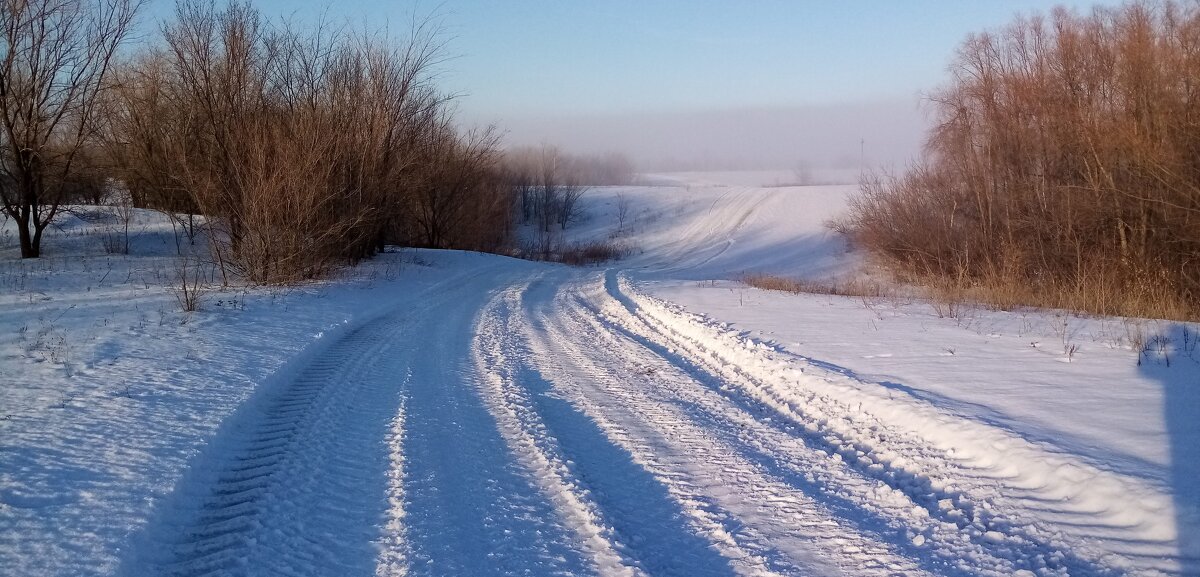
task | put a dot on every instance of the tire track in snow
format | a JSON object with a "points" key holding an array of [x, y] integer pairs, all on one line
{"points": [[292, 485], [882, 517], [375, 457], [626, 518], [702, 236], [954, 492], [790, 527], [471, 506], [393, 549], [580, 432], [761, 526], [467, 505]]}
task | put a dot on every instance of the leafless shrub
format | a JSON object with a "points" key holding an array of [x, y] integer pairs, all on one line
{"points": [[115, 233], [947, 304], [558, 192], [592, 253], [568, 203], [189, 287], [302, 148], [1061, 326], [1062, 169]]}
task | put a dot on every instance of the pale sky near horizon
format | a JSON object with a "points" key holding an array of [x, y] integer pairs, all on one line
{"points": [[760, 82]]}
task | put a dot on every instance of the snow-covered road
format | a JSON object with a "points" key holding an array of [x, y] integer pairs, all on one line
{"points": [[379, 456], [462, 414], [544, 420]]}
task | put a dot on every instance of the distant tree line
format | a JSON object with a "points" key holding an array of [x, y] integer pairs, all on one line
{"points": [[547, 185], [1063, 170]]}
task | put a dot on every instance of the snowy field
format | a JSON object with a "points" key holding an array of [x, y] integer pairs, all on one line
{"points": [[447, 413]]}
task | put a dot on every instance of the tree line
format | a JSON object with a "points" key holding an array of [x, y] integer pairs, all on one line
{"points": [[1063, 168], [302, 148]]}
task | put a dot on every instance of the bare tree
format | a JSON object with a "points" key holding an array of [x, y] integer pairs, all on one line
{"points": [[560, 188], [623, 206], [568, 192], [529, 170], [56, 58], [557, 197], [520, 171], [550, 171]]}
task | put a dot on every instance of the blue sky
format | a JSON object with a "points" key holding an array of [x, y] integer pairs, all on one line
{"points": [[624, 56], [535, 67]]}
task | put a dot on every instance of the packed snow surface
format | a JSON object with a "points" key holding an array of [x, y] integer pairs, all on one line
{"points": [[449, 413]]}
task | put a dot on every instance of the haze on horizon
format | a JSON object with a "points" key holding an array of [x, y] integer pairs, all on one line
{"points": [[677, 84]]}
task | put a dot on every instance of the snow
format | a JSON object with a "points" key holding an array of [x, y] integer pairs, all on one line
{"points": [[448, 413], [961, 469], [696, 232], [110, 391], [1004, 368]]}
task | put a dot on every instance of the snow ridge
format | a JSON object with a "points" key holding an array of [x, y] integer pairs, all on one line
{"points": [[646, 461], [947, 467], [525, 432]]}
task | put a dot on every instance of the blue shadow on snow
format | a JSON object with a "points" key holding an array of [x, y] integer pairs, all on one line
{"points": [[648, 522], [1173, 359]]}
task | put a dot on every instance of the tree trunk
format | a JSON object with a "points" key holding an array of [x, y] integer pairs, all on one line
{"points": [[30, 244]]}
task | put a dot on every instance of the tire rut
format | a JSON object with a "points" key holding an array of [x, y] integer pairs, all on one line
{"points": [[966, 523], [626, 518], [769, 525], [273, 488]]}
